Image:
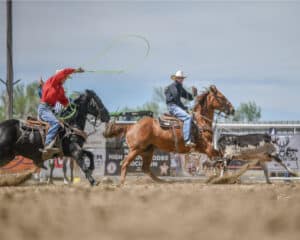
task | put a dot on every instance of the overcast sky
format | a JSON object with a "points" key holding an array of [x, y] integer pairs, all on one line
{"points": [[249, 49]]}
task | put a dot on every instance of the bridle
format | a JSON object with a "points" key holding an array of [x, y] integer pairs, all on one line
{"points": [[214, 121], [100, 109], [221, 102]]}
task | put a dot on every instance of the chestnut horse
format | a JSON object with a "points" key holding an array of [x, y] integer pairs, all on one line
{"points": [[145, 135]]}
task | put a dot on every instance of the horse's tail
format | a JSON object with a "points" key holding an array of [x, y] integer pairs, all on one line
{"points": [[115, 130]]}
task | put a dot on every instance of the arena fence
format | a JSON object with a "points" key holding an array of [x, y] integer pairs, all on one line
{"points": [[110, 153]]}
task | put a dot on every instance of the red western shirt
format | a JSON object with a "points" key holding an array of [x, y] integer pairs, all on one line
{"points": [[53, 90]]}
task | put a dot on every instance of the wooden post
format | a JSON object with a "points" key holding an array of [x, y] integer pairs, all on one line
{"points": [[9, 58]]}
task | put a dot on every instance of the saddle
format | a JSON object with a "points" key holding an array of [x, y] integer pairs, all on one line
{"points": [[167, 121], [31, 125], [32, 122]]}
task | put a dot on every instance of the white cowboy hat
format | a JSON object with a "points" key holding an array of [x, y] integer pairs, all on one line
{"points": [[178, 74]]}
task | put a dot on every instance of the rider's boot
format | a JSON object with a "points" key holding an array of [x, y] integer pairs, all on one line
{"points": [[49, 150], [189, 143]]}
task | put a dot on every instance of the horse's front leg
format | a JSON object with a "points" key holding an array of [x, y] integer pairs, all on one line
{"points": [[81, 157], [211, 152]]}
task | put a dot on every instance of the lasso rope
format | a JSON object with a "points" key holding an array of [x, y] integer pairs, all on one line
{"points": [[73, 109], [107, 71], [111, 46]]}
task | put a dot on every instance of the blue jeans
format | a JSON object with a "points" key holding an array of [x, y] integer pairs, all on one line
{"points": [[179, 113], [45, 114]]}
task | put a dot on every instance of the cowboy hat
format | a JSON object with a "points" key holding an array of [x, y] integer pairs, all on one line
{"points": [[178, 74]]}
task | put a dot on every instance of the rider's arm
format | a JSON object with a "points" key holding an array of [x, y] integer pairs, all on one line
{"points": [[185, 94], [58, 77], [62, 98]]}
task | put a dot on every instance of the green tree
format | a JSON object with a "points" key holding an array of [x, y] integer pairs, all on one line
{"points": [[159, 95], [159, 100], [148, 106], [247, 112], [151, 106], [26, 100], [2, 113]]}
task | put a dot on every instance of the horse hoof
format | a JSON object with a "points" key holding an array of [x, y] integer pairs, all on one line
{"points": [[94, 183], [66, 182], [50, 182]]}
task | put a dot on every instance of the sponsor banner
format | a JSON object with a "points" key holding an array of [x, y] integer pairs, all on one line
{"points": [[160, 164], [114, 156], [19, 164], [288, 149], [99, 160]]}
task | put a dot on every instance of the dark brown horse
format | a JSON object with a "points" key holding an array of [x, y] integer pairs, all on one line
{"points": [[146, 134]]}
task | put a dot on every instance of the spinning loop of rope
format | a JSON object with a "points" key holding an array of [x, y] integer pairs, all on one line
{"points": [[114, 44]]}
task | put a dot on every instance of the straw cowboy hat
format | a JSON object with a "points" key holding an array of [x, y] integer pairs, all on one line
{"points": [[178, 74]]}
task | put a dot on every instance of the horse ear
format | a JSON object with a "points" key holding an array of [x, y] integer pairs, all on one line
{"points": [[213, 89]]}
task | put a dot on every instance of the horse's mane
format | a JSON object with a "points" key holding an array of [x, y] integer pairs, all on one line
{"points": [[78, 97], [89, 93], [94, 96], [200, 99]]}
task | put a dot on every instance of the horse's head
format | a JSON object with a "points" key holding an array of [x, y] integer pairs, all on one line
{"points": [[215, 100], [89, 103], [95, 106], [219, 102]]}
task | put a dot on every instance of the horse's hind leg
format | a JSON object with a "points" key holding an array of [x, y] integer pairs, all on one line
{"points": [[147, 159], [131, 156], [66, 181], [72, 169], [51, 164]]}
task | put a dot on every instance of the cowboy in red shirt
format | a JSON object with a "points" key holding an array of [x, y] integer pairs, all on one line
{"points": [[53, 92]]}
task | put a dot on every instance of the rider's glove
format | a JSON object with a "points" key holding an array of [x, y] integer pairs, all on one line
{"points": [[79, 70]]}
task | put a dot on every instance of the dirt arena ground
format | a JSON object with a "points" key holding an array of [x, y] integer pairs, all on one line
{"points": [[144, 210]]}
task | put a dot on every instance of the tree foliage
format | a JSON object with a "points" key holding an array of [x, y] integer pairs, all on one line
{"points": [[26, 101], [247, 112], [157, 105]]}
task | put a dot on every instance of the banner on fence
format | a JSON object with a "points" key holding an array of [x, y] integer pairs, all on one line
{"points": [[116, 152]]}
